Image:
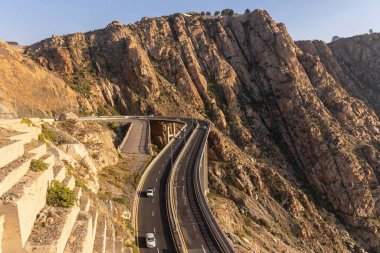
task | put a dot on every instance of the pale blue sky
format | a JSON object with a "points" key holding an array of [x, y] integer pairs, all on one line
{"points": [[28, 21]]}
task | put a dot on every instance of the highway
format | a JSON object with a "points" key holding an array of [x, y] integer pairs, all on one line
{"points": [[152, 215], [181, 221]]}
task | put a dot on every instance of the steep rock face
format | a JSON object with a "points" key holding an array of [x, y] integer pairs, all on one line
{"points": [[22, 80], [297, 120]]}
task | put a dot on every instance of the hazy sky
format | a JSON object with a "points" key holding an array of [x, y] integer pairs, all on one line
{"points": [[28, 21]]}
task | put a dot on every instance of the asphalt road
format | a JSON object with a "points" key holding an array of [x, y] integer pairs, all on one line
{"points": [[197, 236], [138, 139], [152, 212]]}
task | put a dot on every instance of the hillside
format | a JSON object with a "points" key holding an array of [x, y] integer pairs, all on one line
{"points": [[27, 89], [294, 150]]}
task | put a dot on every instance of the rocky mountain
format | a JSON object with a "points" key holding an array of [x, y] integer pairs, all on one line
{"points": [[294, 148], [27, 89]]}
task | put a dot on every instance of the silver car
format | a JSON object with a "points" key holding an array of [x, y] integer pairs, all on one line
{"points": [[149, 192], [150, 240]]}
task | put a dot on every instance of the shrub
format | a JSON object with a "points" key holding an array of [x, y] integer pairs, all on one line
{"points": [[102, 111], [121, 200], [26, 121], [112, 125], [38, 165], [47, 134], [247, 11], [60, 195], [208, 13], [80, 183], [217, 13], [136, 179], [228, 12]]}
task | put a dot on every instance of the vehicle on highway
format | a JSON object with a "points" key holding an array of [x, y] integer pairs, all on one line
{"points": [[204, 127], [149, 192], [178, 137], [150, 240], [183, 130], [151, 115]]}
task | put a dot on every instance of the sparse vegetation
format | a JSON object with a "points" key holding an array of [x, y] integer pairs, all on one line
{"points": [[102, 111], [80, 183], [60, 195], [69, 167], [47, 134], [121, 200], [112, 125], [136, 179], [37, 165], [27, 122]]}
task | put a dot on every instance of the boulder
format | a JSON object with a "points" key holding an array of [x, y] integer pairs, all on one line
{"points": [[69, 116]]}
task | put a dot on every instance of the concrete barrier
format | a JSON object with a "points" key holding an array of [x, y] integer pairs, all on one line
{"points": [[95, 217], [125, 138], [81, 236], [111, 238], [11, 174], [59, 234], [100, 236], [20, 205], [59, 173], [11, 152], [171, 200]]}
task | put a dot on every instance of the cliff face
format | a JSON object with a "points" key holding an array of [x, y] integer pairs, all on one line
{"points": [[27, 89], [294, 151]]}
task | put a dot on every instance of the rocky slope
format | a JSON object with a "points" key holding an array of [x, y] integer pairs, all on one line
{"points": [[22, 80], [294, 150]]}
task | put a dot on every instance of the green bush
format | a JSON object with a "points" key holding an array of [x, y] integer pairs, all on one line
{"points": [[80, 183], [27, 121], [60, 195], [38, 165], [47, 134], [112, 125], [121, 200]]}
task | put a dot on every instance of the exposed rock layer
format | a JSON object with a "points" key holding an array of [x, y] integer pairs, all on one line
{"points": [[304, 138], [26, 89]]}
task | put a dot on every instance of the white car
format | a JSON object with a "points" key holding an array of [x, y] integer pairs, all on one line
{"points": [[149, 192], [150, 240]]}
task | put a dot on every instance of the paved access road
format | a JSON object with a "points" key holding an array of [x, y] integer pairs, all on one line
{"points": [[138, 139]]}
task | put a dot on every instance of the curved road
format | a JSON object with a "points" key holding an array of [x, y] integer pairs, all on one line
{"points": [[152, 215], [200, 232]]}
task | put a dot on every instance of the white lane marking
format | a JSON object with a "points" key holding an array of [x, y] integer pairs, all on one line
{"points": [[156, 179], [152, 201], [153, 213], [154, 229], [158, 250], [203, 249], [154, 189]]}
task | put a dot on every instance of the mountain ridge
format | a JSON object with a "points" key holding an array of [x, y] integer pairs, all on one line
{"points": [[293, 136]]}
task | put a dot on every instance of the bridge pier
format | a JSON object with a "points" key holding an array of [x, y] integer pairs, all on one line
{"points": [[170, 131]]}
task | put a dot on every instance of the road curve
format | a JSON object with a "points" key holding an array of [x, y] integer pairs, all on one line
{"points": [[197, 226]]}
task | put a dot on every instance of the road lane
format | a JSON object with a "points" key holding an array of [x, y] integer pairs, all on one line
{"points": [[152, 213], [198, 237]]}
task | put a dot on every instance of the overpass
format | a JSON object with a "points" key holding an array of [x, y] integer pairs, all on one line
{"points": [[178, 214]]}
